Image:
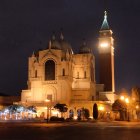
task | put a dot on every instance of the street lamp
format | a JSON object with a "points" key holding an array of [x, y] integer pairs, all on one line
{"points": [[47, 113], [122, 98], [126, 100], [137, 107], [101, 110], [137, 111]]}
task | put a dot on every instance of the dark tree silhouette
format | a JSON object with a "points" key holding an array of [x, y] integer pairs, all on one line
{"points": [[121, 107], [95, 111], [86, 113], [61, 107]]}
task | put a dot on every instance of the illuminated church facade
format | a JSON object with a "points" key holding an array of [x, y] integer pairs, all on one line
{"points": [[57, 75]]}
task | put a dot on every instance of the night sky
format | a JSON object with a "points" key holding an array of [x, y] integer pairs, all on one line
{"points": [[26, 26]]}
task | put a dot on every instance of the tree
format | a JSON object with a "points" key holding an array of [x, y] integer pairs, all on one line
{"points": [[121, 107], [95, 111], [61, 107], [32, 109], [86, 113], [135, 94]]}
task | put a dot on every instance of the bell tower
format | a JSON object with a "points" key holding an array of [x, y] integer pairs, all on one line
{"points": [[106, 56]]}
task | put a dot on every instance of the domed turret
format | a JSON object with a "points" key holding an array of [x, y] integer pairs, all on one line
{"points": [[55, 44], [84, 48], [65, 46]]}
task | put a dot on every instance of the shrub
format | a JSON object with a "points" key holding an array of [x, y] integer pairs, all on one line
{"points": [[95, 111], [54, 118]]}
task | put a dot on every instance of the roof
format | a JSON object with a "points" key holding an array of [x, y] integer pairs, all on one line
{"points": [[84, 48], [105, 25]]}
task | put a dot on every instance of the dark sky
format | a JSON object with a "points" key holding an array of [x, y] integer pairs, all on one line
{"points": [[26, 26]]}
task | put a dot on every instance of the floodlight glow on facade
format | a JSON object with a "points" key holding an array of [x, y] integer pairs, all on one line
{"points": [[104, 45]]}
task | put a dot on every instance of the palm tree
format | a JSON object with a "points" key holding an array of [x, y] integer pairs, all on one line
{"points": [[61, 107]]}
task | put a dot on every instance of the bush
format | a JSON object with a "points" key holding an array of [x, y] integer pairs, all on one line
{"points": [[95, 111], [61, 119], [69, 119], [86, 113], [54, 118], [79, 118]]}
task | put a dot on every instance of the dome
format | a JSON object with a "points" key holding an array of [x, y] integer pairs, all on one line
{"points": [[55, 45], [65, 46], [85, 49]]}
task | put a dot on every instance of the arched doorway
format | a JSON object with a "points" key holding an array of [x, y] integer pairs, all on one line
{"points": [[71, 114], [79, 114], [50, 70], [86, 113], [50, 93]]}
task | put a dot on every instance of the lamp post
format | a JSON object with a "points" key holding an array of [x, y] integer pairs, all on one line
{"points": [[47, 113], [126, 100], [137, 111], [101, 110]]}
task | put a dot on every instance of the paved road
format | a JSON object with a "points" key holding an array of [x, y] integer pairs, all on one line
{"points": [[70, 131]]}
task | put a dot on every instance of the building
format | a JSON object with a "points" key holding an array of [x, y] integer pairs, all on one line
{"points": [[106, 56], [58, 75]]}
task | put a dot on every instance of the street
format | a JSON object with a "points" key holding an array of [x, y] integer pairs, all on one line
{"points": [[70, 131]]}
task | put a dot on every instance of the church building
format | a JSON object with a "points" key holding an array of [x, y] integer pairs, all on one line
{"points": [[58, 75]]}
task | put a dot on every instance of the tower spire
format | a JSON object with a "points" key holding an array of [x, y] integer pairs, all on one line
{"points": [[106, 57], [33, 54], [50, 44], [105, 25], [61, 34]]}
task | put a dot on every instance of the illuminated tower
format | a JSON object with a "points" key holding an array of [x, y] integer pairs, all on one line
{"points": [[106, 56]]}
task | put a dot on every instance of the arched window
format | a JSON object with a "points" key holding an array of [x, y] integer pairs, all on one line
{"points": [[63, 72], [85, 74], [35, 73], [50, 70]]}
